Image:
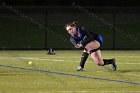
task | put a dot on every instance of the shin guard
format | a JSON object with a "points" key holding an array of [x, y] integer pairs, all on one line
{"points": [[83, 59]]}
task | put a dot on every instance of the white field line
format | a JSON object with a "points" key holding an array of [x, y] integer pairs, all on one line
{"points": [[119, 91], [26, 58], [55, 60], [113, 91], [80, 91], [130, 63], [123, 56], [133, 75]]}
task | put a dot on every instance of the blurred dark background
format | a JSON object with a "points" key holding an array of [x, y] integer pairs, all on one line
{"points": [[39, 24], [121, 3]]}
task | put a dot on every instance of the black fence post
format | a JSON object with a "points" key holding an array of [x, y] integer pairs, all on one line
{"points": [[114, 31], [46, 29]]}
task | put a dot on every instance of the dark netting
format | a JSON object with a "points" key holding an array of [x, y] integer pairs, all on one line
{"points": [[20, 28], [43, 27]]}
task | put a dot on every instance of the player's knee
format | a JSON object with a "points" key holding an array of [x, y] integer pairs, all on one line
{"points": [[94, 50]]}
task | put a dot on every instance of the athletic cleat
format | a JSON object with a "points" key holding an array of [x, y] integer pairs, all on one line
{"points": [[79, 68], [114, 66]]}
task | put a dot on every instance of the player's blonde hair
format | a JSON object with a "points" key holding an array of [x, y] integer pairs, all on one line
{"points": [[72, 24]]}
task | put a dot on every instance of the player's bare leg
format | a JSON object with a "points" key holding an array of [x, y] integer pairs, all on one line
{"points": [[93, 49], [96, 56]]}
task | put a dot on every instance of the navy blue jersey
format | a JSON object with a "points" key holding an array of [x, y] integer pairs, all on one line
{"points": [[84, 38], [82, 35]]}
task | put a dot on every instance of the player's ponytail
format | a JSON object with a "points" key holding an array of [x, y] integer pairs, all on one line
{"points": [[72, 24], [75, 23]]}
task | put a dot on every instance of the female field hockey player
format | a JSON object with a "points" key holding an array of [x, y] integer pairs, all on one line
{"points": [[91, 42]]}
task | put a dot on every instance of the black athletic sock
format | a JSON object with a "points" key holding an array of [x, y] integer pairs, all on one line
{"points": [[107, 61], [83, 59]]}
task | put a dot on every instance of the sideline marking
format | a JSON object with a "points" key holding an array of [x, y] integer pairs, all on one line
{"points": [[74, 75]]}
